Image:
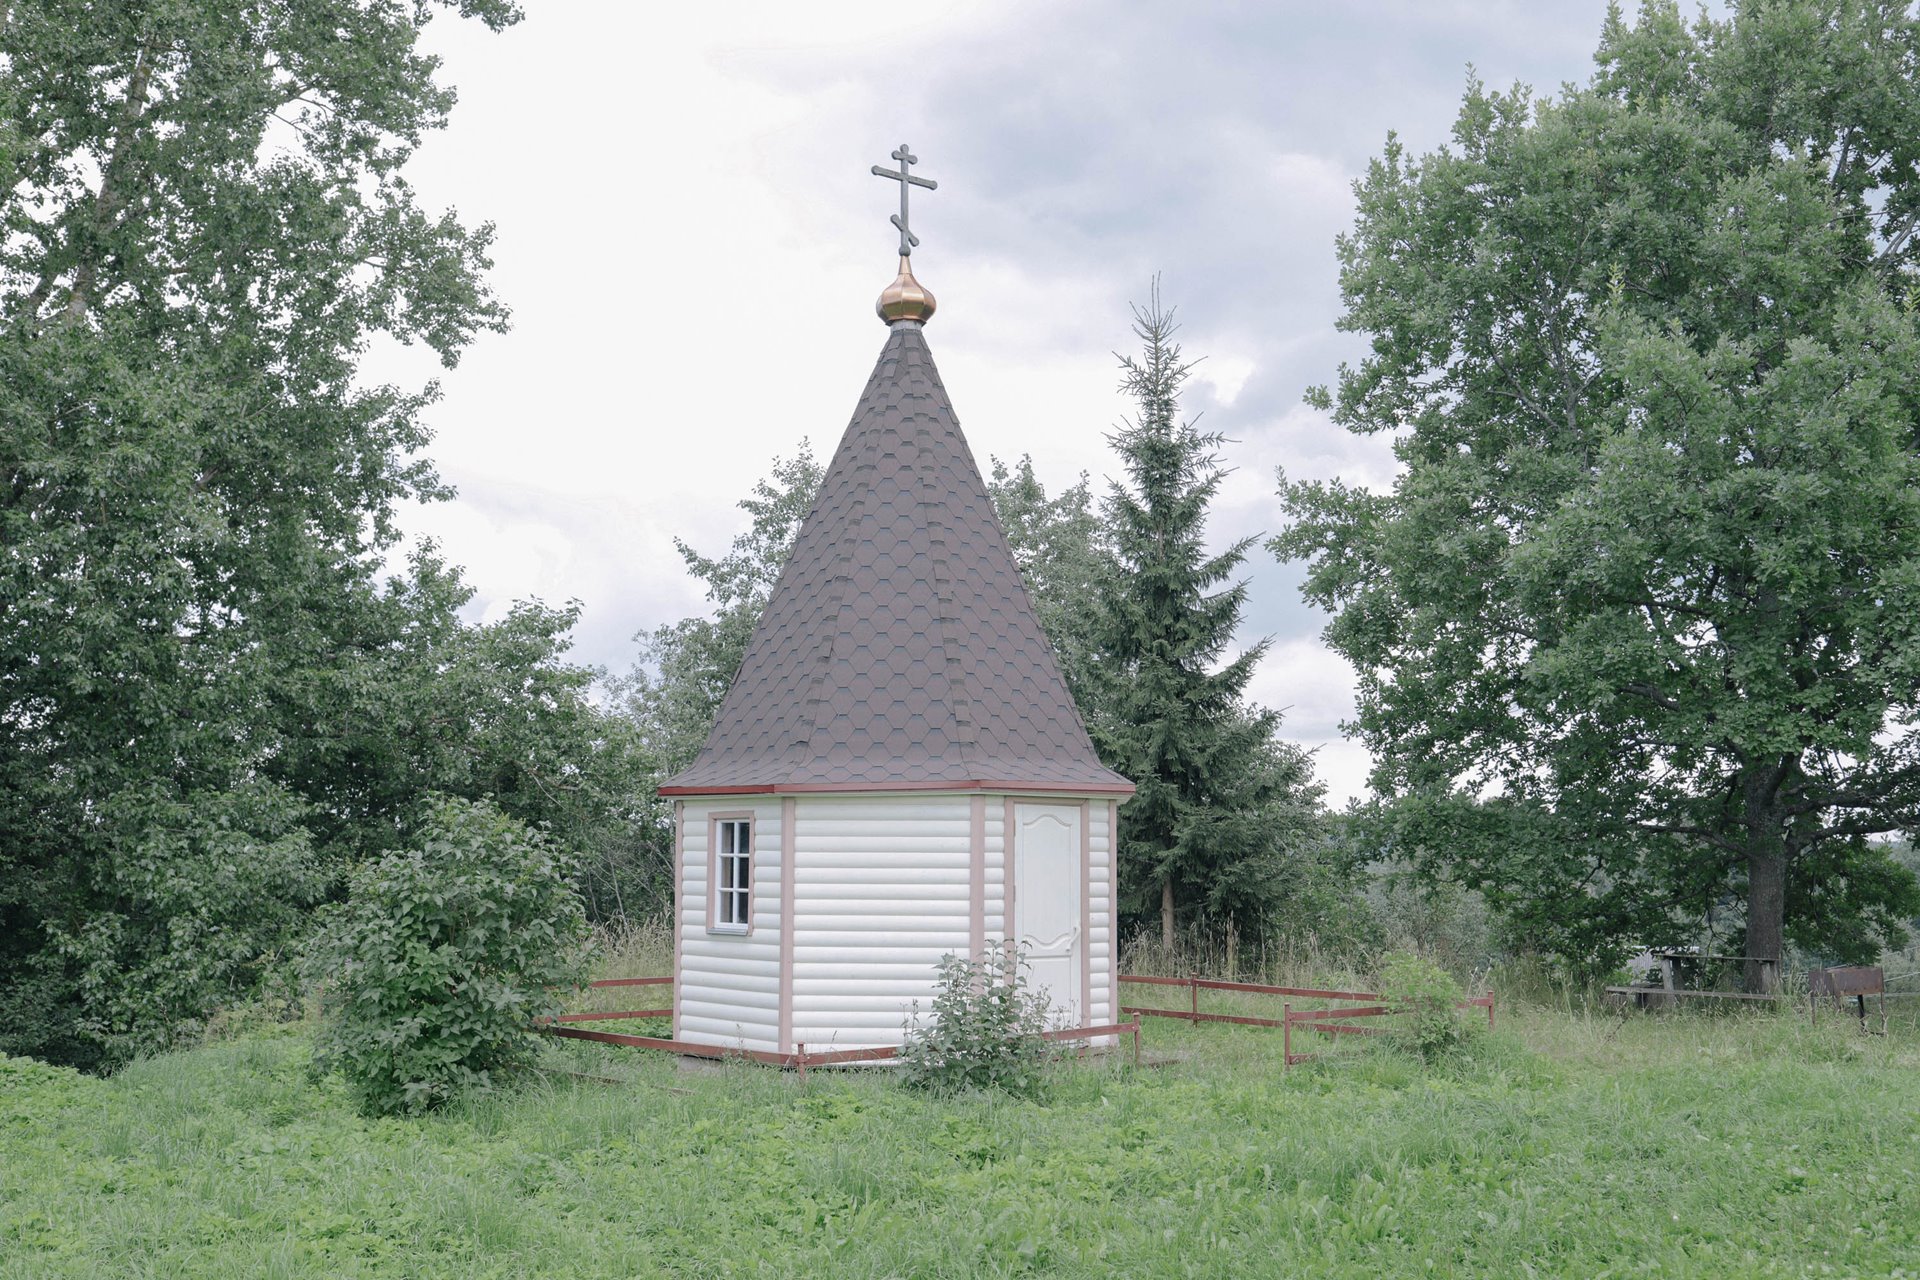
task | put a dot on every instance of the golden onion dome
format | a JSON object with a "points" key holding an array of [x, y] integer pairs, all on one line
{"points": [[906, 298]]}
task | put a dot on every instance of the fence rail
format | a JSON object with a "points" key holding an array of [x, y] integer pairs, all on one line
{"points": [[800, 1060], [616, 1013], [1331, 1021], [1339, 1019]]}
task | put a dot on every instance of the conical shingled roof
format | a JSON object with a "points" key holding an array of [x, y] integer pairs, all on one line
{"points": [[899, 650]]}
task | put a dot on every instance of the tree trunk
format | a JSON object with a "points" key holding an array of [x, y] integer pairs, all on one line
{"points": [[1766, 883], [1166, 914], [1766, 917]]}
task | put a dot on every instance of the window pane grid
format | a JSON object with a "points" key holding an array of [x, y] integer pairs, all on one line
{"points": [[733, 850]]}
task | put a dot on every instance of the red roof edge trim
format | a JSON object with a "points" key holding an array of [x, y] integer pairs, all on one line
{"points": [[973, 784]]}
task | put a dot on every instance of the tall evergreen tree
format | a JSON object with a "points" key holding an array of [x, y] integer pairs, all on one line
{"points": [[1221, 801]]}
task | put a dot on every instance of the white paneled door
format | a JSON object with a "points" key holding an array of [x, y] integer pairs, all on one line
{"points": [[1046, 903]]}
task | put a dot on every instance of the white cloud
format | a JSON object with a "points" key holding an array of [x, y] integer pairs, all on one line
{"points": [[1313, 687], [691, 244], [1343, 766], [1310, 683]]}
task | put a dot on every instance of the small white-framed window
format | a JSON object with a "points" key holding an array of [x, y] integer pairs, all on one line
{"points": [[731, 910]]}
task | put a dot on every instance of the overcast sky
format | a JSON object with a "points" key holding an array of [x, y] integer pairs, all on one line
{"points": [[691, 244]]}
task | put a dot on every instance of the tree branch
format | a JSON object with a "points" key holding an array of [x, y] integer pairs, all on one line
{"points": [[1897, 241], [1651, 694], [1698, 833], [1853, 798], [1863, 827], [106, 201]]}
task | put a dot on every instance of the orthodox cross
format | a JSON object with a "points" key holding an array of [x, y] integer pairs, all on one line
{"points": [[907, 159]]}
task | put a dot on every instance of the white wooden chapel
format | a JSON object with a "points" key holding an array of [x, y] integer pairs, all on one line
{"points": [[898, 772]]}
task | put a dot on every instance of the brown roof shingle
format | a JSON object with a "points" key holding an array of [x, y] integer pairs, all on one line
{"points": [[899, 649]]}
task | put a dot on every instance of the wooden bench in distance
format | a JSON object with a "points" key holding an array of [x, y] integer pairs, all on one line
{"points": [[1857, 981]]}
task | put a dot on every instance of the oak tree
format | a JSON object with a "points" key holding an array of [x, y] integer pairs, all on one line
{"points": [[1637, 627]]}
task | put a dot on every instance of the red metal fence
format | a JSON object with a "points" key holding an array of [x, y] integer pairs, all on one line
{"points": [[620, 1013], [799, 1060], [1335, 1020]]}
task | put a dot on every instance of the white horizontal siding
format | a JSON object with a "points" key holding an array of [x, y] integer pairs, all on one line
{"points": [[882, 892], [837, 1001], [729, 963], [906, 915], [828, 887], [881, 841], [996, 886], [818, 864], [857, 980], [732, 1003], [868, 948], [849, 1029], [713, 979], [732, 1032], [729, 988], [1100, 890]]}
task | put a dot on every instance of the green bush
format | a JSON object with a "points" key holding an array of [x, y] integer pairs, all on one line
{"points": [[984, 1031], [1426, 1000], [444, 955]]}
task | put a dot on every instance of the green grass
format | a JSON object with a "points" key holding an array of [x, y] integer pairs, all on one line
{"points": [[1745, 1145]]}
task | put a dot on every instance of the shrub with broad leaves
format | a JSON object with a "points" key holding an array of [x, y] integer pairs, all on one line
{"points": [[1426, 1000], [984, 1030], [444, 955]]}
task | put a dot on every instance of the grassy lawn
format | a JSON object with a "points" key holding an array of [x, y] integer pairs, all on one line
{"points": [[1744, 1145]]}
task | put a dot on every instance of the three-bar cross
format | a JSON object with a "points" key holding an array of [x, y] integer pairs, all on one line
{"points": [[906, 158]]}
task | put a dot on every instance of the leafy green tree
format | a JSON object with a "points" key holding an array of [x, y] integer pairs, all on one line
{"points": [[674, 692], [444, 955], [1638, 626], [400, 702], [1223, 805], [1431, 1025], [1059, 543], [209, 703]]}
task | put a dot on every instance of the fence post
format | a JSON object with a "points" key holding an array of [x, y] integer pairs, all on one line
{"points": [[1193, 996], [1489, 1008], [1136, 1040], [1286, 1036], [801, 1059]]}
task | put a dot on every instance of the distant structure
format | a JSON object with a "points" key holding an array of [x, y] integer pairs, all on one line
{"points": [[898, 772]]}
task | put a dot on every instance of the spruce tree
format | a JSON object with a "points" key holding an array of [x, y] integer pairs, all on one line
{"points": [[1221, 801]]}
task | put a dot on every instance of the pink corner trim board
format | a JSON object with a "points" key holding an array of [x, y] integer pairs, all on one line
{"points": [[977, 880], [1113, 908], [789, 839], [1010, 920], [970, 785], [679, 925]]}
